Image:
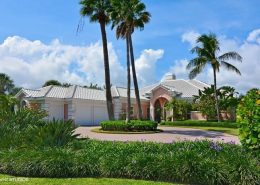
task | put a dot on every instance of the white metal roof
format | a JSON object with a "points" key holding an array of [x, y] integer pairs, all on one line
{"points": [[77, 92], [185, 88]]}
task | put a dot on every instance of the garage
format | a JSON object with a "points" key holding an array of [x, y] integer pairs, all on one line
{"points": [[88, 112]]}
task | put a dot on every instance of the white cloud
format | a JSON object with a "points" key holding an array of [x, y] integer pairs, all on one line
{"points": [[31, 63], [254, 36], [146, 66], [250, 51], [190, 37]]}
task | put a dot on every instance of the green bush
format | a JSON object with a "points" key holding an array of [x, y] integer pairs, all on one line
{"points": [[200, 162], [56, 133], [27, 129], [134, 125], [248, 117], [14, 126], [200, 123]]}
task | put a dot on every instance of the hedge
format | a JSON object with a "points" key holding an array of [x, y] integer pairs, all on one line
{"points": [[200, 123], [248, 117], [134, 125], [201, 162]]}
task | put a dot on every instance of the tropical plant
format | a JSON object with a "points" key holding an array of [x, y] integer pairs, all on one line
{"points": [[248, 118], [55, 133], [6, 84], [178, 108], [97, 11], [7, 103], [127, 16], [207, 53], [200, 162], [205, 101]]}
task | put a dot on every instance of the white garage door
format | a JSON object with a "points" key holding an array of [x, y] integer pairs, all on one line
{"points": [[89, 113], [83, 114], [100, 114]]}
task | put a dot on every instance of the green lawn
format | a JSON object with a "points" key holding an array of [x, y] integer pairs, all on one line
{"points": [[10, 180], [232, 131]]}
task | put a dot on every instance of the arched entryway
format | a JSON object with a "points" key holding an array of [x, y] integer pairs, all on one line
{"points": [[159, 109]]}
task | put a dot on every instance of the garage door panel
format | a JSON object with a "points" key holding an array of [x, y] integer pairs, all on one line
{"points": [[100, 114], [83, 114]]}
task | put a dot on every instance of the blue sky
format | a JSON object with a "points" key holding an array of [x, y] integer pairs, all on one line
{"points": [[57, 19]]}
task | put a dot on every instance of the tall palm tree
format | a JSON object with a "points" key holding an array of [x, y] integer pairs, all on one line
{"points": [[207, 53], [6, 84], [97, 11], [128, 15]]}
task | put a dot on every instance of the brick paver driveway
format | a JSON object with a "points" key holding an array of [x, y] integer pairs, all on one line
{"points": [[168, 135]]}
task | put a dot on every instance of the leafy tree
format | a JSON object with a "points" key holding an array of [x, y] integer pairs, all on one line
{"points": [[248, 118], [207, 53], [52, 82], [127, 16], [97, 11], [179, 108], [205, 101], [6, 84], [66, 85], [93, 86]]}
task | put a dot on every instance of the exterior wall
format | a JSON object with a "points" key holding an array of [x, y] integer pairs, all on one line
{"points": [[55, 108], [117, 108], [197, 115], [123, 107]]}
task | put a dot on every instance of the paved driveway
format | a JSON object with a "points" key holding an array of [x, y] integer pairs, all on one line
{"points": [[168, 135]]}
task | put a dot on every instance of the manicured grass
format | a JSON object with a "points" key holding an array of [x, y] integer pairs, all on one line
{"points": [[231, 131], [99, 130], [10, 180]]}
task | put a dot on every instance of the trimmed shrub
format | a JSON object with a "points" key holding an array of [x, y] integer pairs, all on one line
{"points": [[201, 162], [200, 123], [134, 125], [248, 117]]}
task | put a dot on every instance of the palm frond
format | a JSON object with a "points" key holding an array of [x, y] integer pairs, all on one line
{"points": [[199, 61], [230, 56], [230, 67], [195, 71]]}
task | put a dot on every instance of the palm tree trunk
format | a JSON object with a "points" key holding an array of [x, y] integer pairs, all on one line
{"points": [[216, 96], [137, 96], [110, 108], [128, 82]]}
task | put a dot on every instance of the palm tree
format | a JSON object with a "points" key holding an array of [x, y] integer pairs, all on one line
{"points": [[97, 11], [6, 84], [128, 15], [207, 53]]}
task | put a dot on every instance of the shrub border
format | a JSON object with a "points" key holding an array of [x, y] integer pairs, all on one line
{"points": [[99, 130]]}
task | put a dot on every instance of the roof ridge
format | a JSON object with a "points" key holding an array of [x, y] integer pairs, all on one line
{"points": [[201, 82], [74, 90], [48, 91], [193, 84], [117, 92]]}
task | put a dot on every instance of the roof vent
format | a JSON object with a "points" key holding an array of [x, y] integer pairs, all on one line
{"points": [[168, 77]]}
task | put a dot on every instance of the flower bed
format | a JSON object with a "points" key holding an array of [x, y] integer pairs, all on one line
{"points": [[133, 126]]}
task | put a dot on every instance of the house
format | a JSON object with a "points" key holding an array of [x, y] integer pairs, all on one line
{"points": [[88, 106]]}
